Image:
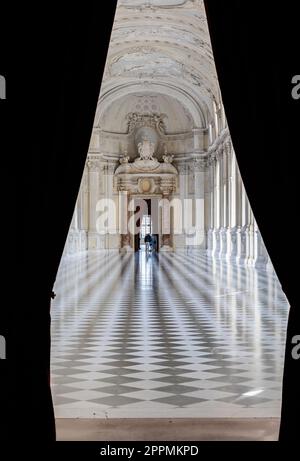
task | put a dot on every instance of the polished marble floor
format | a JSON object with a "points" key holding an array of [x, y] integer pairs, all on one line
{"points": [[167, 336]]}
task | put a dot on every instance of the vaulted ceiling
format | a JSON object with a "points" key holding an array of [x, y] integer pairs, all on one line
{"points": [[159, 61]]}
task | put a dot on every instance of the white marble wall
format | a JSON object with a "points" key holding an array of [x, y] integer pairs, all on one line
{"points": [[225, 225], [232, 233], [97, 184], [191, 193]]}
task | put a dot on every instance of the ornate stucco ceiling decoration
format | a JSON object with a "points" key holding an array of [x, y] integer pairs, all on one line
{"points": [[154, 3], [176, 120], [160, 50]]}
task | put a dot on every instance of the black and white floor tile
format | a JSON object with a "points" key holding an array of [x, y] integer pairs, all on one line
{"points": [[173, 335]]}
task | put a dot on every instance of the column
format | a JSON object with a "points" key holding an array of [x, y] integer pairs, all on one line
{"points": [[225, 223], [244, 223], [124, 216], [228, 148], [261, 258], [183, 194], [239, 218], [251, 257], [112, 238], [222, 202], [93, 181], [198, 240], [207, 202], [211, 207], [233, 223], [167, 244], [215, 206], [85, 209], [218, 204], [247, 217]]}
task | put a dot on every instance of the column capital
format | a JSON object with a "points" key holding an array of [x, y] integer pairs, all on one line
{"points": [[199, 165], [182, 168], [93, 165], [228, 147], [109, 167], [213, 159]]}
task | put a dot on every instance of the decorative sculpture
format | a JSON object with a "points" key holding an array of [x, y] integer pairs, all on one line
{"points": [[137, 120], [146, 149], [125, 158], [167, 158]]}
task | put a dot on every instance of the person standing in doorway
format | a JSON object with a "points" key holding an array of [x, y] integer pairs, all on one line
{"points": [[154, 243], [148, 241]]}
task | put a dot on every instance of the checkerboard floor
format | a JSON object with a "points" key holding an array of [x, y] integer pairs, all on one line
{"points": [[168, 335]]}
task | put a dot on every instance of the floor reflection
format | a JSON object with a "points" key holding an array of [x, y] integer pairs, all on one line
{"points": [[167, 335]]}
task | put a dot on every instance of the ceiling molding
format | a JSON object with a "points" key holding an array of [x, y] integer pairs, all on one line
{"points": [[160, 50]]}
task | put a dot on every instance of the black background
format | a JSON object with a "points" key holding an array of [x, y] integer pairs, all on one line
{"points": [[256, 46], [52, 56]]}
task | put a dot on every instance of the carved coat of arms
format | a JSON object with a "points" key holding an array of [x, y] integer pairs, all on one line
{"points": [[146, 149]]}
